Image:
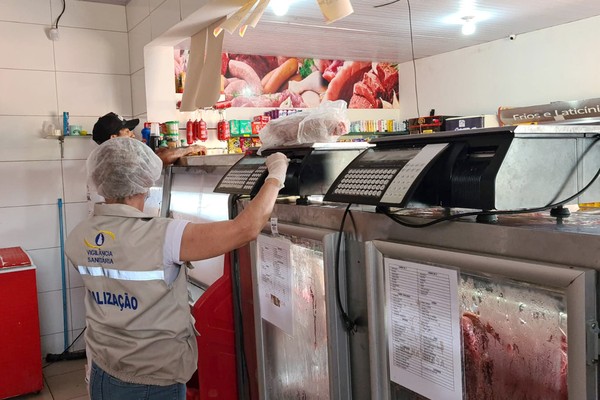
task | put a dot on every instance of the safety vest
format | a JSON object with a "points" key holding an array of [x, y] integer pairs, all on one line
{"points": [[139, 329]]}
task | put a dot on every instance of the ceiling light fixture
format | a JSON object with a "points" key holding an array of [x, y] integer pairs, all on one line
{"points": [[468, 26], [467, 17], [280, 7]]}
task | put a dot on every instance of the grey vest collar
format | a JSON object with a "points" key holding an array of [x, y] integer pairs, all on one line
{"points": [[119, 210]]}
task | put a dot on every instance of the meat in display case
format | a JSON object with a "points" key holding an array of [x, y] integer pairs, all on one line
{"points": [[515, 342], [302, 349]]}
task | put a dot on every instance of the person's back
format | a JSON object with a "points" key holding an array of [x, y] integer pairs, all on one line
{"points": [[140, 333], [130, 307]]}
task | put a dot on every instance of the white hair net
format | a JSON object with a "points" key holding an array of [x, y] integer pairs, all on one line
{"points": [[122, 167]]}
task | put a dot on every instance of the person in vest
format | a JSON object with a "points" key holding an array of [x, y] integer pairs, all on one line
{"points": [[139, 331]]}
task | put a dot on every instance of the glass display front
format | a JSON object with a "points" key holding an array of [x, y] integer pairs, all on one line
{"points": [[514, 340], [296, 362]]}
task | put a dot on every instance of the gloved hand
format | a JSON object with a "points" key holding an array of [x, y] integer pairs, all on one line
{"points": [[277, 164]]}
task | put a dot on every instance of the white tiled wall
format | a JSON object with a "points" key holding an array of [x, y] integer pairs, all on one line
{"points": [[26, 11], [31, 92], [139, 36], [88, 15], [167, 14], [138, 87], [24, 134], [85, 94], [137, 11], [93, 68], [86, 50], [85, 72], [38, 55]]}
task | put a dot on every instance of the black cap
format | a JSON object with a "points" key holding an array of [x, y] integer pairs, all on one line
{"points": [[110, 124]]}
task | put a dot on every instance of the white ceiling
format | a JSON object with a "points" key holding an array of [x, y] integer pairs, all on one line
{"points": [[384, 33]]}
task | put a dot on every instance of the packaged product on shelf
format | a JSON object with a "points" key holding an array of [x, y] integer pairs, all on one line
{"points": [[172, 140], [245, 127], [172, 127], [241, 144], [234, 127]]}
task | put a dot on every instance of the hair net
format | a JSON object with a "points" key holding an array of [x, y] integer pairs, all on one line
{"points": [[122, 167]]}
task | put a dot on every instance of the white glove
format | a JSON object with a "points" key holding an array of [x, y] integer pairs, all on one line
{"points": [[277, 164]]}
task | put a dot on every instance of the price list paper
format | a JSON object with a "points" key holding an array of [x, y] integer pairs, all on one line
{"points": [[423, 329], [275, 281]]}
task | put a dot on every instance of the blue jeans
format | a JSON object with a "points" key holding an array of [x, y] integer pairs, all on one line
{"points": [[106, 387]]}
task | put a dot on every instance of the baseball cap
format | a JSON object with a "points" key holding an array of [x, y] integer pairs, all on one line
{"points": [[111, 124]]}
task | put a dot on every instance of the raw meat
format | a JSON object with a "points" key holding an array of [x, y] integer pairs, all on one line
{"points": [[497, 368], [342, 84], [260, 64], [284, 99], [376, 86], [329, 69]]}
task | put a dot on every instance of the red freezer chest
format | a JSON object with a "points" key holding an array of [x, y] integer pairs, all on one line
{"points": [[21, 358]]}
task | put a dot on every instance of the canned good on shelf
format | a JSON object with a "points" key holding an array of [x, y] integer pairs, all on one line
{"points": [[172, 127]]}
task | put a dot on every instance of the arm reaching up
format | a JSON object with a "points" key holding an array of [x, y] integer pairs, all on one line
{"points": [[205, 240]]}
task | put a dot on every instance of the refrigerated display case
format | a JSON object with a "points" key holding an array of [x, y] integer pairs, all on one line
{"points": [[302, 349], [526, 285], [522, 327], [504, 282]]}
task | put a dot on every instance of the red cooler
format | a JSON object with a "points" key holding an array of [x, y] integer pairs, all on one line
{"points": [[21, 360]]}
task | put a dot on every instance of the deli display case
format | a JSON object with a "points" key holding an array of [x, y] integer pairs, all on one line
{"points": [[302, 349], [519, 329], [514, 317], [391, 287]]}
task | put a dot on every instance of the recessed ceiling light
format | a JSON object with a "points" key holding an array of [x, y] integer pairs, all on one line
{"points": [[280, 7], [468, 27]]}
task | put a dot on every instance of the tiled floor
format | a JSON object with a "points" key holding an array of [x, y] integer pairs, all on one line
{"points": [[63, 380]]}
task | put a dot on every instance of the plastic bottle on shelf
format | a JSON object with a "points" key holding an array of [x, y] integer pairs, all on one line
{"points": [[146, 133], [154, 141], [66, 123]]}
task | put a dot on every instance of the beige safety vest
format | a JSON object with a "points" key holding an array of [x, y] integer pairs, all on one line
{"points": [[139, 329]]}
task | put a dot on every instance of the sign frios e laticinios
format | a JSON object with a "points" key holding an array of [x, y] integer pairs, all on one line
{"points": [[559, 111]]}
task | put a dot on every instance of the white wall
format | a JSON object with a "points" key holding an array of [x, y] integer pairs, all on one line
{"points": [[555, 64], [85, 72]]}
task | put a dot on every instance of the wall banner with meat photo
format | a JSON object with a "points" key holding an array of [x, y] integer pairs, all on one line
{"points": [[269, 81], [288, 82], [181, 58]]}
